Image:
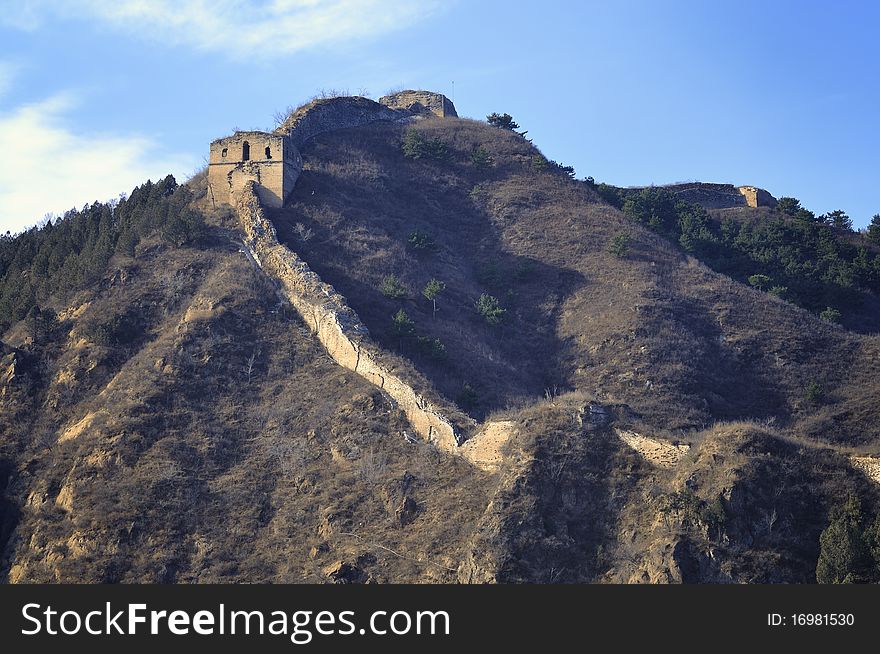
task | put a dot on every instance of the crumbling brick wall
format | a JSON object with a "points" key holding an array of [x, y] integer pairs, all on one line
{"points": [[338, 327]]}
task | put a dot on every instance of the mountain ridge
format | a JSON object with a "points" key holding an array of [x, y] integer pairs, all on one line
{"points": [[175, 420]]}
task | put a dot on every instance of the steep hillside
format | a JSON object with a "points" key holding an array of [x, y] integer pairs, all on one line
{"points": [[655, 330], [223, 444], [171, 418]]}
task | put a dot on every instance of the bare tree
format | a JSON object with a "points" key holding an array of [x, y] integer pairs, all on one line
{"points": [[249, 368]]}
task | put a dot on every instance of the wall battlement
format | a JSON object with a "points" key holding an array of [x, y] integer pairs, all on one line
{"points": [[272, 161]]}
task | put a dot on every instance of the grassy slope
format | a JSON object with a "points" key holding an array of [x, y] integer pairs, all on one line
{"points": [[193, 470], [657, 330]]}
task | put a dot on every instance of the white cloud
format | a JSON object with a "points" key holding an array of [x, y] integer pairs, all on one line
{"points": [[46, 167], [257, 29]]}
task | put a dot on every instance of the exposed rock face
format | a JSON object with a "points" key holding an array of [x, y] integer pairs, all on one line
{"points": [[336, 325], [421, 102]]}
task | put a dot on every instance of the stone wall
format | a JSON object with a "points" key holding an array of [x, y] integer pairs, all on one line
{"points": [[336, 325], [721, 196], [274, 161], [324, 115], [655, 451], [273, 164], [757, 197], [421, 102], [250, 187]]}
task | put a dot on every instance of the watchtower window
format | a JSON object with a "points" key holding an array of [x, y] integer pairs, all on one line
{"points": [[224, 153], [268, 152], [245, 151]]}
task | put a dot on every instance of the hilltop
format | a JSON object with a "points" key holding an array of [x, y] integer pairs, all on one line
{"points": [[170, 415]]}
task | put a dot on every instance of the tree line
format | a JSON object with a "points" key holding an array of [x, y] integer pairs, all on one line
{"points": [[72, 252], [816, 262]]}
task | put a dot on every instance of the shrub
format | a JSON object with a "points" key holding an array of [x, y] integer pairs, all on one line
{"points": [[481, 158], [416, 147], [874, 228], [468, 398], [117, 330], [830, 314], [837, 219], [619, 245], [491, 275], [561, 169], [814, 393], [432, 291], [422, 241], [778, 291], [127, 243], [393, 288], [611, 194], [792, 207], [303, 233], [523, 269], [540, 162], [759, 281], [844, 556], [184, 227], [490, 309], [654, 207], [432, 348]]}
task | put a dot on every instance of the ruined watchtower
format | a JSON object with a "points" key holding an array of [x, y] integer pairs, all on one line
{"points": [[270, 160], [421, 102], [273, 160]]}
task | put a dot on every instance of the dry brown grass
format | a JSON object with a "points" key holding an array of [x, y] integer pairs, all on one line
{"points": [[230, 446], [229, 439], [655, 329]]}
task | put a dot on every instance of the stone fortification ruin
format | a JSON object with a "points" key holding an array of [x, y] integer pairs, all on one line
{"points": [[337, 326], [249, 184], [272, 161], [721, 196], [421, 102]]}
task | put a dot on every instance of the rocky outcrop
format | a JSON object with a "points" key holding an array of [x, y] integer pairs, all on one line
{"points": [[338, 327]]}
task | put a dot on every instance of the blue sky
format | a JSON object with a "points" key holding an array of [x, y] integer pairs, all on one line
{"points": [[96, 96]]}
